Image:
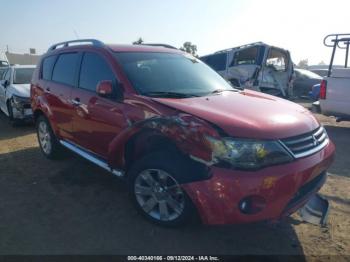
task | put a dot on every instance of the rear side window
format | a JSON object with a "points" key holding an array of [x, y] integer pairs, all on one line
{"points": [[48, 64], [64, 70], [217, 62], [247, 56], [93, 70]]}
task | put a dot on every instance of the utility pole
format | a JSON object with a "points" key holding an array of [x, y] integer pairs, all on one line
{"points": [[7, 48]]}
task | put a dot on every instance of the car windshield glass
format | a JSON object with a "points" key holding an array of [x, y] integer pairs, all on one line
{"points": [[173, 75], [23, 75]]}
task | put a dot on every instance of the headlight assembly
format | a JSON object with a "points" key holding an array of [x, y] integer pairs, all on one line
{"points": [[248, 154], [18, 101]]}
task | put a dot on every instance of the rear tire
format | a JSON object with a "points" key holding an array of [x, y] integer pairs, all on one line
{"points": [[155, 190], [48, 142]]}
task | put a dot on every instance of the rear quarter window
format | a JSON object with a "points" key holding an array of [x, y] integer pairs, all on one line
{"points": [[65, 68]]}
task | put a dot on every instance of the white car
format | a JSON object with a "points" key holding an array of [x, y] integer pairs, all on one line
{"points": [[15, 92]]}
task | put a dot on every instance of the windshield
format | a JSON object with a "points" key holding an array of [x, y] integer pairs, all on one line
{"points": [[23, 75], [154, 74]]}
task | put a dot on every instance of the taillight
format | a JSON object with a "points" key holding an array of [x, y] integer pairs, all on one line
{"points": [[323, 89]]}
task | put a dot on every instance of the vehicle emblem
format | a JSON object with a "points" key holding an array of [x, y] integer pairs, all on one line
{"points": [[315, 141]]}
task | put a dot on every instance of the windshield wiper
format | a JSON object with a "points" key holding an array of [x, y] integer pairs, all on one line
{"points": [[168, 94], [216, 91]]}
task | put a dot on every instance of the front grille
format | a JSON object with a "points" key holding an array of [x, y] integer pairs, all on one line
{"points": [[306, 144]]}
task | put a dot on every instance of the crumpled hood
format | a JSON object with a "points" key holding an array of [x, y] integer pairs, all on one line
{"points": [[248, 114], [22, 90]]}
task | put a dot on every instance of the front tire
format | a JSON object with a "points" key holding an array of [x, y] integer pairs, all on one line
{"points": [[48, 142], [156, 192]]}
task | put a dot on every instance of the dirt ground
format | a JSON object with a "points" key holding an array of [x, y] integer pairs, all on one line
{"points": [[72, 207]]}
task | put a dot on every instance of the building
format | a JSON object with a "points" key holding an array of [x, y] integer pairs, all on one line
{"points": [[22, 59]]}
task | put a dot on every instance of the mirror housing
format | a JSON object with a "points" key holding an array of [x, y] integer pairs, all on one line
{"points": [[5, 83], [105, 88]]}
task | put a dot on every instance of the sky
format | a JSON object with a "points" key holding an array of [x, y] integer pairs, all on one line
{"points": [[298, 25]]}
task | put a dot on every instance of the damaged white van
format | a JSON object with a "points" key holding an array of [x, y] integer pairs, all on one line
{"points": [[256, 66]]}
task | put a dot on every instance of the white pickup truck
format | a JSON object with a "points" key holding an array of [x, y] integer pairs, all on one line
{"points": [[335, 87]]}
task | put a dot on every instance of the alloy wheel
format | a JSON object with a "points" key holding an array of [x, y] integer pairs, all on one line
{"points": [[159, 195]]}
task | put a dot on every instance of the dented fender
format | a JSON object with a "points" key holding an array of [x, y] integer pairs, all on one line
{"points": [[186, 131]]}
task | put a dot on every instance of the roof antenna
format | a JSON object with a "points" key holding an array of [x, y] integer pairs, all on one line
{"points": [[76, 34]]}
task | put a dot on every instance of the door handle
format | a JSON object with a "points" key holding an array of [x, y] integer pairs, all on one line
{"points": [[76, 102]]}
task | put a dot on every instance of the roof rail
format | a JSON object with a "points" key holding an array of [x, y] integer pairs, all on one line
{"points": [[239, 47], [93, 42], [162, 45]]}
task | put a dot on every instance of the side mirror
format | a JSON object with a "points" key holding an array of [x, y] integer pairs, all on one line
{"points": [[5, 83], [105, 88]]}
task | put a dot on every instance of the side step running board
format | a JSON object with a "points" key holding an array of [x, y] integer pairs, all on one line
{"points": [[91, 157]]}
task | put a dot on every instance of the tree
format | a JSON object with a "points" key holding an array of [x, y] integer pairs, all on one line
{"points": [[138, 41], [303, 63], [189, 48], [322, 63]]}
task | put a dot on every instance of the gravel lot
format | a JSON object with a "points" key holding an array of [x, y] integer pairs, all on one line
{"points": [[73, 207]]}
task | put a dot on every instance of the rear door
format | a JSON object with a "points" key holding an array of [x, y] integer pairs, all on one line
{"points": [[59, 75], [97, 120]]}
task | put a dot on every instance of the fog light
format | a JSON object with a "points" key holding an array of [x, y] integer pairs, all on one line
{"points": [[252, 204]]}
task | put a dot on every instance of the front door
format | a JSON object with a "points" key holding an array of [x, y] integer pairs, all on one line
{"points": [[277, 71], [97, 120]]}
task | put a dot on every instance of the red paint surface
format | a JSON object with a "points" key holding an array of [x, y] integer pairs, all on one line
{"points": [[217, 199]]}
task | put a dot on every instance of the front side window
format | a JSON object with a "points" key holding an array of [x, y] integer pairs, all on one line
{"points": [[277, 59], [155, 73], [247, 56], [22, 75], [93, 70], [64, 70]]}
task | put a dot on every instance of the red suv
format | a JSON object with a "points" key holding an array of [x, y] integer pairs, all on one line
{"points": [[185, 140]]}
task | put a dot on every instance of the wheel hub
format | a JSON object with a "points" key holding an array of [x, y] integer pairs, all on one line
{"points": [[159, 195]]}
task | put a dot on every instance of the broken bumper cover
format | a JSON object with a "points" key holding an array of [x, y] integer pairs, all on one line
{"points": [[232, 196], [21, 108]]}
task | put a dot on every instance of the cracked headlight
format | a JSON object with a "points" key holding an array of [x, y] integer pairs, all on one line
{"points": [[248, 154]]}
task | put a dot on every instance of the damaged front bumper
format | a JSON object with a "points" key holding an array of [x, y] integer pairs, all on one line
{"points": [[21, 108], [232, 196]]}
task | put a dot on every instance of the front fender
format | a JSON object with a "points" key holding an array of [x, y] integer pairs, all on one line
{"points": [[187, 133]]}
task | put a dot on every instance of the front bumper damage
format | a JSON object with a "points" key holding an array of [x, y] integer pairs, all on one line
{"points": [[21, 108], [275, 192]]}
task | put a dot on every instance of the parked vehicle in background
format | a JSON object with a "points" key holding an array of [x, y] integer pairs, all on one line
{"points": [[15, 93], [4, 64], [334, 89], [185, 141], [314, 94], [320, 72], [255, 66], [304, 81]]}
